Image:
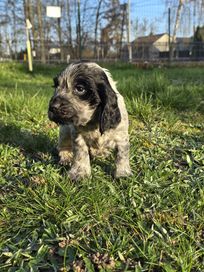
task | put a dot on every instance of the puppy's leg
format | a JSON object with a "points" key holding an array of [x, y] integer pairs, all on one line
{"points": [[65, 144], [122, 159], [81, 163]]}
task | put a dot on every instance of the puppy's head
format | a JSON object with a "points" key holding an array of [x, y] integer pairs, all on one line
{"points": [[84, 92]]}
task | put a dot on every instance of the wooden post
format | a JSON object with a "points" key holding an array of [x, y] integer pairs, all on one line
{"points": [[29, 51]]}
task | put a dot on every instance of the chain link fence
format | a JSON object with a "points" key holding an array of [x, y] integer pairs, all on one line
{"points": [[152, 23], [141, 52]]}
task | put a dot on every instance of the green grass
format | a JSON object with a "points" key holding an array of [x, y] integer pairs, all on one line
{"points": [[153, 221]]}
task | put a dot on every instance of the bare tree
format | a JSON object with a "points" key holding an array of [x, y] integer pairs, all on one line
{"points": [[123, 23], [12, 21], [41, 31], [98, 13], [14, 13], [3, 28], [32, 17], [177, 20], [59, 31], [69, 25], [111, 33], [184, 18], [176, 26]]}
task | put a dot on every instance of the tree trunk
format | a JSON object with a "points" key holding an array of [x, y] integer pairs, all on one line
{"points": [[96, 27], [7, 39], [176, 26], [15, 40], [59, 31], [41, 32], [124, 15], [60, 39], [69, 27], [79, 28], [31, 14]]}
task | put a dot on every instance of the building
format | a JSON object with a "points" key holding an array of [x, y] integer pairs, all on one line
{"points": [[151, 47], [184, 47]]}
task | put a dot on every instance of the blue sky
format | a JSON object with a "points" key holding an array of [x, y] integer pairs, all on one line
{"points": [[156, 14], [153, 11]]}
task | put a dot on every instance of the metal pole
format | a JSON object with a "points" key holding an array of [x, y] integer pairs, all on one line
{"points": [[169, 32], [129, 34], [79, 28]]}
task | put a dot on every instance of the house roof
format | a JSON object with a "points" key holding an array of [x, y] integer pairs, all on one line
{"points": [[149, 38]]}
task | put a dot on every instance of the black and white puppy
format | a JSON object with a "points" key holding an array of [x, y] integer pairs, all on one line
{"points": [[92, 116]]}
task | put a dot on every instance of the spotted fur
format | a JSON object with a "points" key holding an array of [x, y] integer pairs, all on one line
{"points": [[93, 119]]}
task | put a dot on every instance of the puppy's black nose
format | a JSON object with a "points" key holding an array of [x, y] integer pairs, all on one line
{"points": [[54, 104], [54, 107]]}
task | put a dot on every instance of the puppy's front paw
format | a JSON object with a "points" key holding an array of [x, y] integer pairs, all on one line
{"points": [[77, 173], [122, 171], [65, 157]]}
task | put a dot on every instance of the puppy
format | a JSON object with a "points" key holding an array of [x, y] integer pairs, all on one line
{"points": [[92, 117]]}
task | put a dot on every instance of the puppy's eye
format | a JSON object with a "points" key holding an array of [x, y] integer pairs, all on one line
{"points": [[80, 90]]}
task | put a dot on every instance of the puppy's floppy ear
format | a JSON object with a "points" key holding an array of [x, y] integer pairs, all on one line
{"points": [[56, 82], [110, 114]]}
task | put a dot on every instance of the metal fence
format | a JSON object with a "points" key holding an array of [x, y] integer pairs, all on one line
{"points": [[141, 52], [152, 23]]}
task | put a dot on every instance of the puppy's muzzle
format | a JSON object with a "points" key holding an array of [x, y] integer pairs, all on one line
{"points": [[60, 111]]}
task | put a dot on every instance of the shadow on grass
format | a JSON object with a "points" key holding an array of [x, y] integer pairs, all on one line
{"points": [[35, 148], [29, 143], [38, 150], [106, 165]]}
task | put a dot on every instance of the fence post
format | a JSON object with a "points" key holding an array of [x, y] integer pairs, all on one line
{"points": [[169, 32]]}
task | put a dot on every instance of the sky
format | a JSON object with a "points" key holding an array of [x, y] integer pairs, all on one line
{"points": [[153, 14], [156, 12], [150, 10]]}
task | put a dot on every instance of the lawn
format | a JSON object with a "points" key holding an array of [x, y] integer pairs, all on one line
{"points": [[152, 221]]}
